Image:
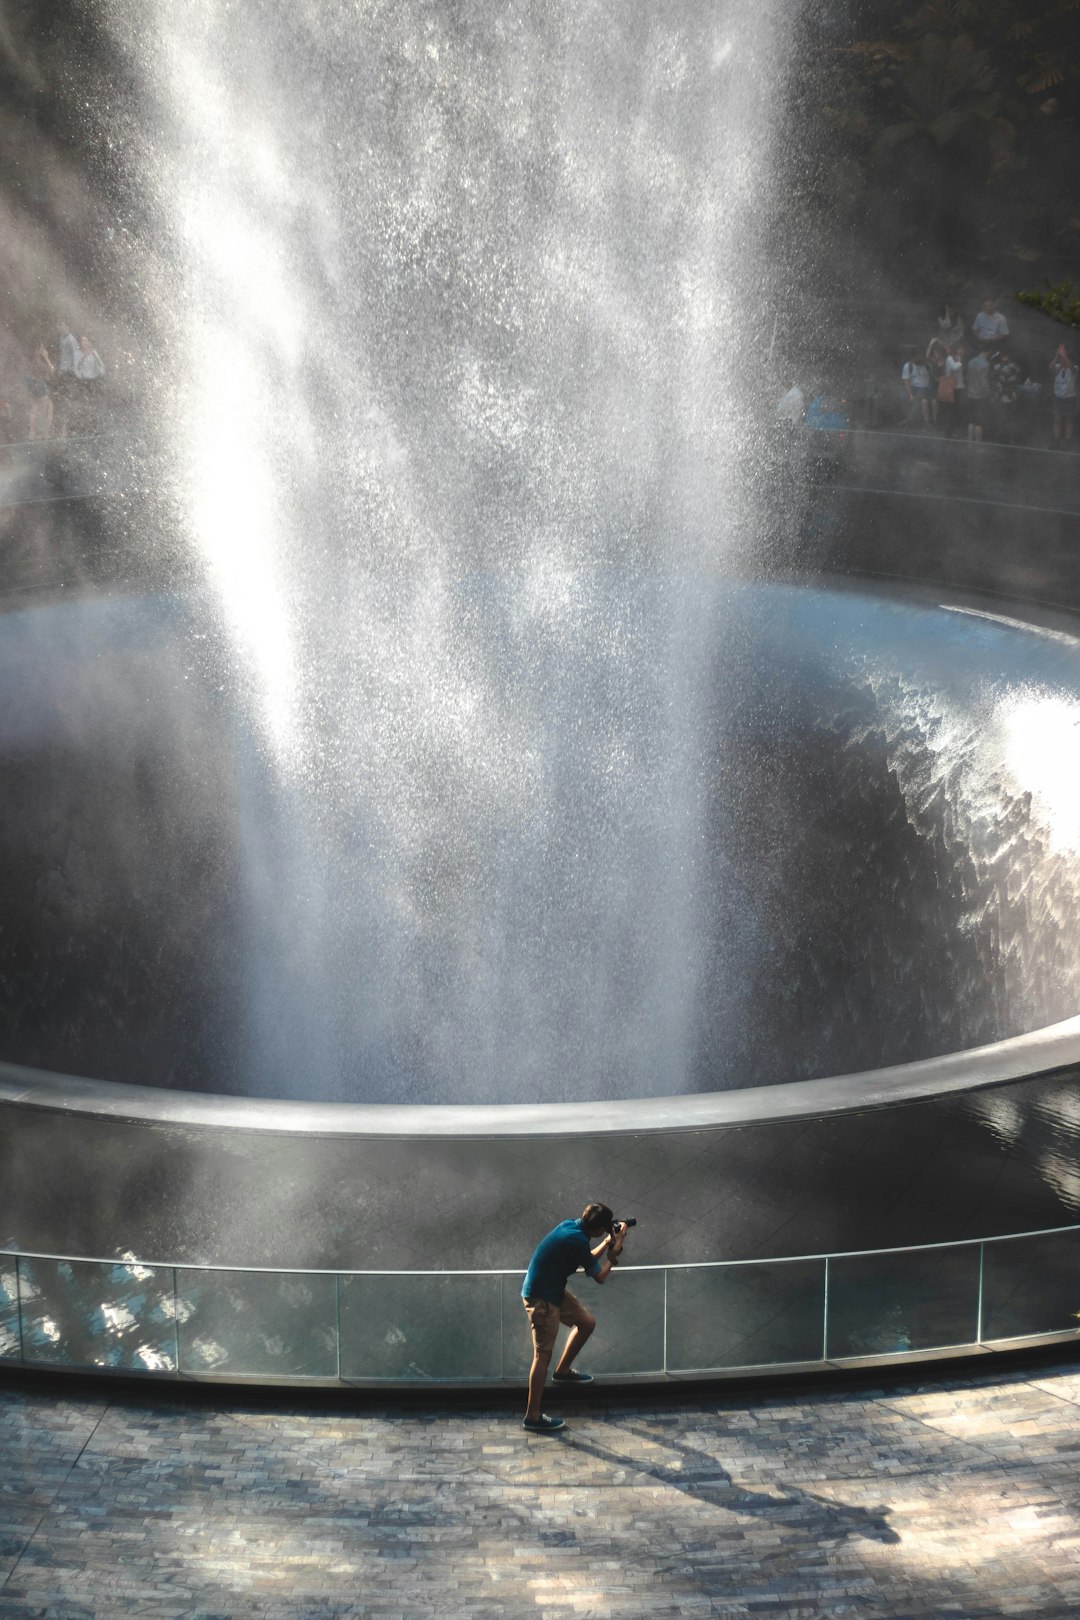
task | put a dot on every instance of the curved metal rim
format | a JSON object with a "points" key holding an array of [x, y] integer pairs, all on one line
{"points": [[1021, 1057]]}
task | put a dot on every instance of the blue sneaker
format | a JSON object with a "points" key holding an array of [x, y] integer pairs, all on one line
{"points": [[543, 1424], [571, 1376]]}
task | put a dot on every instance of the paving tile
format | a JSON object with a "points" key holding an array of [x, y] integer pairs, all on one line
{"points": [[954, 1497]]}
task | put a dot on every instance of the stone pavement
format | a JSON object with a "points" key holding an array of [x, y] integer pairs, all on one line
{"points": [[957, 1496]]}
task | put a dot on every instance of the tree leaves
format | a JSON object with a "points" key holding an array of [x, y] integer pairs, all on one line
{"points": [[1050, 68], [942, 100], [947, 84], [1060, 300]]}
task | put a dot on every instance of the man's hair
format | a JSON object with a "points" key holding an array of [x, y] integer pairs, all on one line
{"points": [[597, 1218]]}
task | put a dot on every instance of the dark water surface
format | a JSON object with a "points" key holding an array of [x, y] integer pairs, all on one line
{"points": [[615, 835]]}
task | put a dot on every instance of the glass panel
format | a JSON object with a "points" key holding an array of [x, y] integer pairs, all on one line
{"points": [[257, 1324], [1030, 1285], [745, 1316], [517, 1339], [86, 1314], [420, 1327], [629, 1311], [629, 1337], [885, 1304], [10, 1345]]}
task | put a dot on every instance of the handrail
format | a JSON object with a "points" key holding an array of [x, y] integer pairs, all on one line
{"points": [[519, 1271], [909, 439]]}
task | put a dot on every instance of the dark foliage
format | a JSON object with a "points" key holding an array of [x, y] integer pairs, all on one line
{"points": [[946, 133]]}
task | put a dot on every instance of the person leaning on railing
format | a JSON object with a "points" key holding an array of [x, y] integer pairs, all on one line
{"points": [[548, 1302]]}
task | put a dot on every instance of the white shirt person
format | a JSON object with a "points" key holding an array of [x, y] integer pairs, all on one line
{"points": [[70, 353], [990, 324], [792, 407], [89, 366], [89, 383]]}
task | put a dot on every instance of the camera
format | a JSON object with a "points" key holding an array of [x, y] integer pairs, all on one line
{"points": [[627, 1221]]}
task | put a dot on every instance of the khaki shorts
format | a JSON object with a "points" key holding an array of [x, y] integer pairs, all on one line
{"points": [[545, 1319]]}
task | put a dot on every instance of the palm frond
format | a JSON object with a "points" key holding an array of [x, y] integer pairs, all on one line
{"points": [[1049, 70]]}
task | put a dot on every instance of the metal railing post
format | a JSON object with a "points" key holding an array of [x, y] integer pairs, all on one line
{"points": [[18, 1308], [664, 1368], [825, 1315], [337, 1325], [176, 1320], [979, 1309]]}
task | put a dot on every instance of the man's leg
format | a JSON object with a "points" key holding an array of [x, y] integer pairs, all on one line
{"points": [[544, 1321], [581, 1323], [537, 1379], [577, 1338]]}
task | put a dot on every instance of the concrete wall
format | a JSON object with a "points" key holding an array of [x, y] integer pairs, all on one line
{"points": [[988, 518]]}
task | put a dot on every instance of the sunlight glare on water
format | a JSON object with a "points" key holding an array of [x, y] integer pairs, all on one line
{"points": [[1040, 738]]}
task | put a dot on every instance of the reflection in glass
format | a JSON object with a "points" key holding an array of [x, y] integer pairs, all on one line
{"points": [[10, 1336], [888, 1304], [257, 1324], [420, 1327], [1031, 1285], [629, 1311], [745, 1316], [90, 1314]]}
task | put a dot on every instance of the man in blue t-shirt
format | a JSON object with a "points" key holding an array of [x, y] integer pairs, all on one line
{"points": [[548, 1302]]}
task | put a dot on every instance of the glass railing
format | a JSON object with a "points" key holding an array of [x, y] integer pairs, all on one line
{"points": [[468, 1327]]}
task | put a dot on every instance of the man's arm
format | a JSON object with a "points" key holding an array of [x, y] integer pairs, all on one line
{"points": [[607, 1251]]}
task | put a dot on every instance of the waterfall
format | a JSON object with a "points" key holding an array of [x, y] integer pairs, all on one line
{"points": [[449, 296]]}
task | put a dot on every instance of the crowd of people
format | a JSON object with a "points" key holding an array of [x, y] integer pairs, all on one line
{"points": [[978, 387], [61, 390], [960, 384]]}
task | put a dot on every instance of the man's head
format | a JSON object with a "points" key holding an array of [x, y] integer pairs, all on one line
{"points": [[597, 1219]]}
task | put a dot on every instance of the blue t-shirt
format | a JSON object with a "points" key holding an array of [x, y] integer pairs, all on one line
{"points": [[557, 1256]]}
